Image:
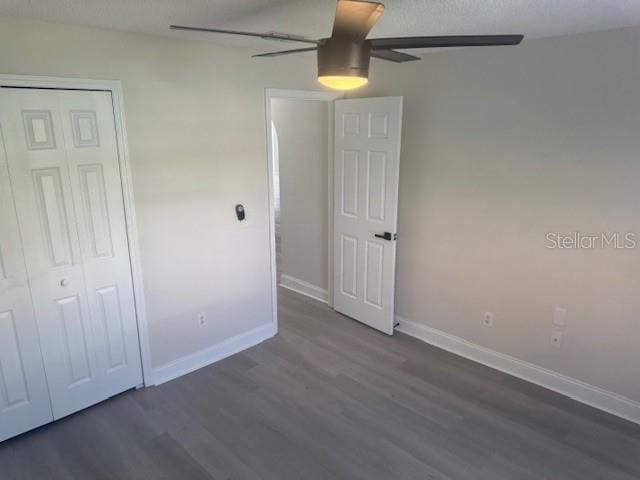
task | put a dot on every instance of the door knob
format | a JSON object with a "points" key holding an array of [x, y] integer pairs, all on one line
{"points": [[64, 282], [386, 236]]}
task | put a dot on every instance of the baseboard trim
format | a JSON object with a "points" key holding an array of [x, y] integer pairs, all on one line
{"points": [[580, 391], [304, 288], [226, 348]]}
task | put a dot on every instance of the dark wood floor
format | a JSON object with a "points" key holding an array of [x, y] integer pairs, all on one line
{"points": [[327, 399]]}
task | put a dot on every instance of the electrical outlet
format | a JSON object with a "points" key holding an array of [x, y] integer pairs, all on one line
{"points": [[556, 338], [202, 319], [487, 320], [560, 317]]}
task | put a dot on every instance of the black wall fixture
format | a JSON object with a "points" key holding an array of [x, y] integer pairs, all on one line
{"points": [[240, 212]]}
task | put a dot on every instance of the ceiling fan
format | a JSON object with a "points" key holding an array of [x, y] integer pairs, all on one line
{"points": [[343, 59]]}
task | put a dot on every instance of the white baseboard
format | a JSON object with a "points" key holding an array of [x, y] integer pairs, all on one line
{"points": [[305, 288], [213, 354], [582, 392]]}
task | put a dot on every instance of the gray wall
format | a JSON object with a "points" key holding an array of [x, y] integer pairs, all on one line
{"points": [[302, 144], [501, 146], [195, 118]]}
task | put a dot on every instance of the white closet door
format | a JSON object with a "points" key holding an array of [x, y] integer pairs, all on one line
{"points": [[63, 165], [24, 398]]}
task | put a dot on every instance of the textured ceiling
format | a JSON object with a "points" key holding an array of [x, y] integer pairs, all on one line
{"points": [[313, 18]]}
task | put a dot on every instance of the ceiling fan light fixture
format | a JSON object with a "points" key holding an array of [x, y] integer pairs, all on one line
{"points": [[342, 82], [343, 64], [344, 57]]}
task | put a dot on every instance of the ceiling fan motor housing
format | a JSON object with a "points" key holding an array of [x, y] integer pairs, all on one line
{"points": [[343, 57]]}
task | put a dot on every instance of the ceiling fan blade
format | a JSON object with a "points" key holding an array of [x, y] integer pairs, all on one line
{"points": [[445, 41], [271, 36], [355, 19], [285, 52], [393, 56]]}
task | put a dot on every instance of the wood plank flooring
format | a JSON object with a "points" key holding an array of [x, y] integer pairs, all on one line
{"points": [[331, 399]]}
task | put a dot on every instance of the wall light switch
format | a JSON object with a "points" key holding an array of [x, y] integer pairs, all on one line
{"points": [[560, 317]]}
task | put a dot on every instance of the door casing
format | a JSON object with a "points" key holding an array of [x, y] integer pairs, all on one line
{"points": [[115, 89]]}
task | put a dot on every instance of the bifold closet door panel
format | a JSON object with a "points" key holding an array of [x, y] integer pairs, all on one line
{"points": [[24, 396], [94, 171]]}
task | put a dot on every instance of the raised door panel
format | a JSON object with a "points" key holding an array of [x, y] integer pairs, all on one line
{"points": [[53, 216], [379, 125], [110, 309], [350, 124], [94, 202], [76, 343], [13, 380], [38, 128], [373, 273], [84, 126], [350, 169], [376, 186], [348, 270]]}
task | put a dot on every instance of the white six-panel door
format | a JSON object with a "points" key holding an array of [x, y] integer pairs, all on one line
{"points": [[63, 165], [24, 398], [366, 168]]}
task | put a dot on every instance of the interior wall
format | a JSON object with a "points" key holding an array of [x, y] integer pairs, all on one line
{"points": [[502, 146], [302, 129], [195, 119]]}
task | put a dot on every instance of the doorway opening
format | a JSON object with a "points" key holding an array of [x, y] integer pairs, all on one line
{"points": [[300, 152], [333, 182]]}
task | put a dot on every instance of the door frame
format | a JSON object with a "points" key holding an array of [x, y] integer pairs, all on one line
{"points": [[309, 95], [114, 87]]}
